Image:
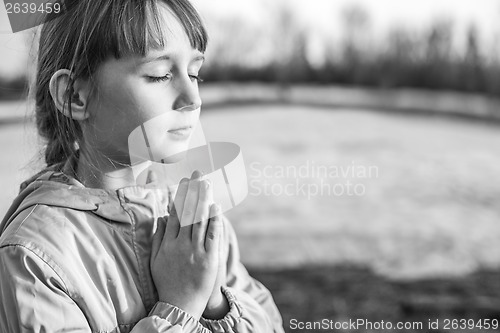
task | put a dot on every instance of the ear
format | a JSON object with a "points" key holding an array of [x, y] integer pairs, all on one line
{"points": [[79, 90]]}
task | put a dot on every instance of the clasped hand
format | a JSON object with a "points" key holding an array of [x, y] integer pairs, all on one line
{"points": [[188, 264]]}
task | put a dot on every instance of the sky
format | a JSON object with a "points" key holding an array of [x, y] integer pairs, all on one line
{"points": [[384, 13], [320, 16]]}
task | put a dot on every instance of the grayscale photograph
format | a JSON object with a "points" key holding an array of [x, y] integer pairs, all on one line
{"points": [[249, 166]]}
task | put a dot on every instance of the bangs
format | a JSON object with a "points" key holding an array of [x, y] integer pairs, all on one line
{"points": [[137, 27]]}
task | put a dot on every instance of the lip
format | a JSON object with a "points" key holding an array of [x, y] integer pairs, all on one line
{"points": [[181, 132]]}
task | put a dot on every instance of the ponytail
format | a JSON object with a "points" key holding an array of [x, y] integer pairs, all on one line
{"points": [[61, 142], [61, 133]]}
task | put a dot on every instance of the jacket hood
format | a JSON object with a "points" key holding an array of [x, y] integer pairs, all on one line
{"points": [[56, 186]]}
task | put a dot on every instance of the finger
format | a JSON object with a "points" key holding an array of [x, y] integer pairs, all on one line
{"points": [[197, 174], [214, 230], [182, 189], [223, 239], [180, 196], [152, 177], [190, 184], [158, 236], [170, 201], [222, 252], [173, 225], [202, 212], [189, 209]]}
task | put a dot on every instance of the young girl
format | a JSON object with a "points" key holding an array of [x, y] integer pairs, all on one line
{"points": [[85, 249]]}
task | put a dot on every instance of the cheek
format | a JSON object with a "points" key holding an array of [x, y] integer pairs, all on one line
{"points": [[152, 99], [140, 100], [117, 99], [121, 107]]}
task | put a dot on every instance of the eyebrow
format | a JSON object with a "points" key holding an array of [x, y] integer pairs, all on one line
{"points": [[197, 58]]}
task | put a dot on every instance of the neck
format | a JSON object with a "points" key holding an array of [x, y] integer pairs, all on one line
{"points": [[97, 171]]}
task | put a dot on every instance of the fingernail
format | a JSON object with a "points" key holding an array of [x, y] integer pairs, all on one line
{"points": [[152, 176], [196, 174]]}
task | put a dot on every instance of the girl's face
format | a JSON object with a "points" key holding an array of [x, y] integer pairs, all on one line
{"points": [[134, 89]]}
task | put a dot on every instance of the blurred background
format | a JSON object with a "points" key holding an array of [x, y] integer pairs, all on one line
{"points": [[370, 132]]}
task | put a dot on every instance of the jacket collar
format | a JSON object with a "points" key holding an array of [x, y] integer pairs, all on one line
{"points": [[57, 186]]}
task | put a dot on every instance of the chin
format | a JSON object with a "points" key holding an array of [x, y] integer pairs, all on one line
{"points": [[173, 152], [159, 146]]}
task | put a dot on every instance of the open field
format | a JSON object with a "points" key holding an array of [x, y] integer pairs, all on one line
{"points": [[343, 293], [431, 209]]}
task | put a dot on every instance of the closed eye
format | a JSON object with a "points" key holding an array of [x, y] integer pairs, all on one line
{"points": [[196, 77], [169, 76], [159, 78]]}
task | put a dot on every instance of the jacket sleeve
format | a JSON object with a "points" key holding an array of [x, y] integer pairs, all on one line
{"points": [[252, 308], [34, 298]]}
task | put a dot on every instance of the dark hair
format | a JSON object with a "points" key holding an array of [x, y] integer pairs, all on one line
{"points": [[81, 39]]}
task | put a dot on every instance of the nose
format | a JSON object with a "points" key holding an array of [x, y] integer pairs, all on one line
{"points": [[188, 98]]}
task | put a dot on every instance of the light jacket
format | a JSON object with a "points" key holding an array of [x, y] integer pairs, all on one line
{"points": [[75, 259]]}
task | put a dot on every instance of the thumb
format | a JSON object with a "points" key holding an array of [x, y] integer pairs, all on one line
{"points": [[161, 225]]}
